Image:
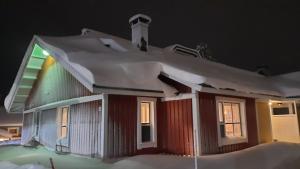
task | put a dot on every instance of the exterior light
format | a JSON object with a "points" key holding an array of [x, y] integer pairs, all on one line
{"points": [[270, 103], [45, 53]]}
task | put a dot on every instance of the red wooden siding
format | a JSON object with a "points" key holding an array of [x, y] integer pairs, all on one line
{"points": [[122, 121], [209, 133], [175, 127], [54, 83]]}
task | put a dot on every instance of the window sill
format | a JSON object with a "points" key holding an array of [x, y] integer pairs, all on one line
{"points": [[232, 140], [147, 145]]}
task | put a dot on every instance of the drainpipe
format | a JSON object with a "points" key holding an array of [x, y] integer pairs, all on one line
{"points": [[196, 126]]}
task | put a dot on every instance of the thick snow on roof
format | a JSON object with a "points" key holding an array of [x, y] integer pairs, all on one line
{"points": [[264, 156], [288, 84], [102, 60], [123, 65]]}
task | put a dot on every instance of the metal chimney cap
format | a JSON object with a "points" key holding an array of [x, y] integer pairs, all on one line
{"points": [[140, 17]]}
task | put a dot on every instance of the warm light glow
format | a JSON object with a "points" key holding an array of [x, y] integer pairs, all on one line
{"points": [[145, 112], [270, 103], [45, 53], [3, 139]]}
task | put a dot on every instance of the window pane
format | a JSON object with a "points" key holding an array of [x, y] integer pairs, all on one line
{"points": [[63, 132], [145, 112], [236, 113], [221, 112], [229, 130], [64, 120], [237, 130], [146, 133], [227, 112], [222, 130]]}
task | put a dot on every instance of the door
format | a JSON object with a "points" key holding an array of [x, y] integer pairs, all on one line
{"points": [[284, 122]]}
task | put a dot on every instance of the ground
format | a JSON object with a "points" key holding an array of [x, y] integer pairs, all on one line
{"points": [[21, 155], [265, 156]]}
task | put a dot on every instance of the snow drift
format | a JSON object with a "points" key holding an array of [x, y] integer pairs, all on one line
{"points": [[9, 165], [265, 156]]}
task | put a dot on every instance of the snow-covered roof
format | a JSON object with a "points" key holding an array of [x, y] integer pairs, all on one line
{"points": [[101, 60]]}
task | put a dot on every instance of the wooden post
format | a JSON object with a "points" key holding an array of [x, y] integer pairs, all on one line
{"points": [[51, 162], [104, 121], [196, 126]]}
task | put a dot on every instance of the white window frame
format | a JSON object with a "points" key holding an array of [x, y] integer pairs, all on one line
{"points": [[14, 128], [59, 121], [153, 142], [233, 140]]}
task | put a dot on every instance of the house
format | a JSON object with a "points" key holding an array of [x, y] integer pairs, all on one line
{"points": [[10, 125], [103, 96]]}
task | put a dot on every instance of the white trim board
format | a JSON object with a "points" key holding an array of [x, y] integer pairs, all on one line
{"points": [[236, 93], [127, 92], [66, 102]]}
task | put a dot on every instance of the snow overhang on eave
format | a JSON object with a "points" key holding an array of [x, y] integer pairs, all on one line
{"points": [[32, 63]]}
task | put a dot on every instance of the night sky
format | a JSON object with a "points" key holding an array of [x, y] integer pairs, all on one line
{"points": [[240, 34]]}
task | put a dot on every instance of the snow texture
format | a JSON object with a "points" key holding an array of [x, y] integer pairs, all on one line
{"points": [[265, 156], [95, 58], [9, 165]]}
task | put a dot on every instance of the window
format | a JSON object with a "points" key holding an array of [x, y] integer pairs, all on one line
{"points": [[146, 123], [231, 121], [282, 108], [63, 115]]}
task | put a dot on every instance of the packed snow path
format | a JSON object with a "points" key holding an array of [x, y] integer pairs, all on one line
{"points": [[265, 156]]}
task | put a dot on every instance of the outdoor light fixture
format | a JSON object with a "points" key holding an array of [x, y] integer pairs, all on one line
{"points": [[270, 103], [45, 53]]}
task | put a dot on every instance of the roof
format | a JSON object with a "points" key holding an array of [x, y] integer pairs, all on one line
{"points": [[10, 119], [101, 60]]}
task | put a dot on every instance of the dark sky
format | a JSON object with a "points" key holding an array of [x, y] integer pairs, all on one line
{"points": [[241, 34]]}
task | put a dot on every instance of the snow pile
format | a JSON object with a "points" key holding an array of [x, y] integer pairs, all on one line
{"points": [[9, 165], [265, 156], [10, 142]]}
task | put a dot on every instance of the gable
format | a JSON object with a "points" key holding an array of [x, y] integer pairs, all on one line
{"points": [[53, 84], [36, 64]]}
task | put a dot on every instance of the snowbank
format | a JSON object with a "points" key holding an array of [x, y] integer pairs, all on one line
{"points": [[265, 156], [9, 165]]}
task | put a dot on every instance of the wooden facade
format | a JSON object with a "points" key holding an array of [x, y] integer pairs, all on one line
{"points": [[209, 133], [48, 128], [264, 122], [175, 127], [53, 84], [122, 122], [85, 128], [27, 128]]}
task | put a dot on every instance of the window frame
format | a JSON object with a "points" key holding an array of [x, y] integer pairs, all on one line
{"points": [[243, 122], [153, 123], [60, 126]]}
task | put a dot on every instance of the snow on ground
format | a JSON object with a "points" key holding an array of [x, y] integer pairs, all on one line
{"points": [[20, 155], [265, 156], [9, 165], [10, 142]]}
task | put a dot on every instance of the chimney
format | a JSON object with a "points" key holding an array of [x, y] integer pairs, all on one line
{"points": [[139, 27]]}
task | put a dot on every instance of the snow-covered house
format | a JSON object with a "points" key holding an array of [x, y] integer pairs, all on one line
{"points": [[100, 95]]}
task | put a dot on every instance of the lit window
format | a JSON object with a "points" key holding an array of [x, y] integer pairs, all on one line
{"points": [[231, 121], [146, 126], [145, 121], [63, 119]]}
